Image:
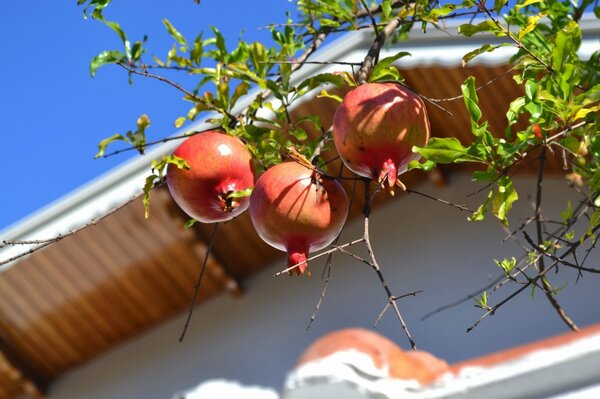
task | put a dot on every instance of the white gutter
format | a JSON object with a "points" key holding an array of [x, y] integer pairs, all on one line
{"points": [[120, 184]]}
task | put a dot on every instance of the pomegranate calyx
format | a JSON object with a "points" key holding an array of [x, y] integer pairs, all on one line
{"points": [[388, 172], [297, 259], [227, 202]]}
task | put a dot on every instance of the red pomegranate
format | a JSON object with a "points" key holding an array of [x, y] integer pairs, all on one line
{"points": [[375, 128], [219, 165], [295, 210]]}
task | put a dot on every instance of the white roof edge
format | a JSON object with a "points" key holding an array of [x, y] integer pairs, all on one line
{"points": [[57, 217]]}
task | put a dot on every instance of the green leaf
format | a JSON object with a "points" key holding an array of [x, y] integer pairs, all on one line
{"points": [[567, 214], [386, 9], [190, 223], [498, 4], [97, 5], [383, 66], [486, 48], [482, 301], [527, 3], [180, 121], [470, 97], [504, 198], [325, 94], [507, 265], [514, 110], [531, 89], [137, 139], [239, 91], [319, 80], [427, 166], [175, 33], [117, 28], [148, 185], [469, 30], [445, 150], [104, 144], [479, 214], [532, 22], [105, 57]]}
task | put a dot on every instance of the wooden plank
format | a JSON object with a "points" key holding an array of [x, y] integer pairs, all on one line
{"points": [[39, 323], [74, 310], [18, 368], [86, 288]]}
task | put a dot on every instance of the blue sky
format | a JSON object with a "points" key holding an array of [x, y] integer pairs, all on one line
{"points": [[53, 114]]}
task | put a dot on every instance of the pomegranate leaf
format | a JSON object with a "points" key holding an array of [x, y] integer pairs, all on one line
{"points": [[445, 150], [504, 198], [105, 57], [136, 139], [175, 33], [158, 169], [385, 69], [325, 94], [318, 80]]}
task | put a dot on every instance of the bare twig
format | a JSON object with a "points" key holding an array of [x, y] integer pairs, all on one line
{"points": [[441, 201], [337, 248], [391, 297], [557, 260], [198, 284], [540, 236], [375, 266], [203, 101], [48, 241], [371, 17], [387, 305]]}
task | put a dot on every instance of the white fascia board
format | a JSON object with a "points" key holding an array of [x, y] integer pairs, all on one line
{"points": [[118, 185]]}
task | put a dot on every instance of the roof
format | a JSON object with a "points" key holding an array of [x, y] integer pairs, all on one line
{"points": [[357, 363], [107, 283]]}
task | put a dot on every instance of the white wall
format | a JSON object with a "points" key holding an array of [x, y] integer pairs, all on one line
{"points": [[420, 245]]}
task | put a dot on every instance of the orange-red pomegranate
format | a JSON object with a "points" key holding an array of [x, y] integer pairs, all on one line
{"points": [[220, 164], [375, 128], [295, 210]]}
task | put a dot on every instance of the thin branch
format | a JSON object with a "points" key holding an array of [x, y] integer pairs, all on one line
{"points": [[540, 236], [387, 305], [198, 284], [337, 248], [501, 280], [561, 259], [48, 241], [328, 267], [489, 82], [6, 243], [391, 298], [373, 53], [328, 262], [312, 62], [442, 201], [557, 260], [194, 97], [371, 17]]}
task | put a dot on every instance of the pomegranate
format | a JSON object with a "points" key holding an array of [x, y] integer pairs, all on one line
{"points": [[219, 165], [375, 128], [296, 210]]}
